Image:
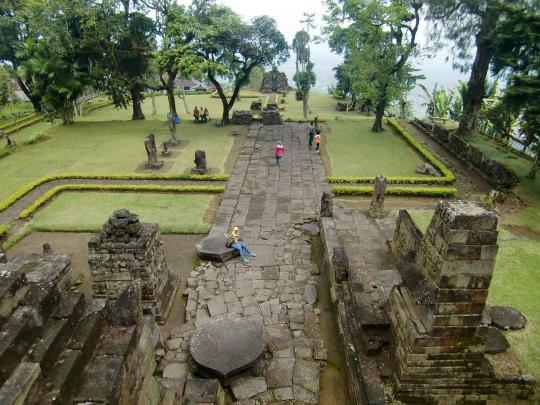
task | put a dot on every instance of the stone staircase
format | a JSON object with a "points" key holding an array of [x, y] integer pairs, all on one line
{"points": [[58, 347]]}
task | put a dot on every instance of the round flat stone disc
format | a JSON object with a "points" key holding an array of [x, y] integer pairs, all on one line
{"points": [[225, 347]]}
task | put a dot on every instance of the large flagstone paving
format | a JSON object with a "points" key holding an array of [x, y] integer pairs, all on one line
{"points": [[269, 204]]}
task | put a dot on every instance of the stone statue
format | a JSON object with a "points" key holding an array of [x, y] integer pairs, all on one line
{"points": [[171, 121], [151, 152], [200, 162], [377, 201], [274, 79], [165, 151], [327, 205], [47, 249]]}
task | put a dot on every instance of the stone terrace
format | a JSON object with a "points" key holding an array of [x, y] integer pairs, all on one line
{"points": [[270, 204]]}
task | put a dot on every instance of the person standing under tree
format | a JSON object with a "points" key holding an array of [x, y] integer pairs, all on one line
{"points": [[280, 151]]}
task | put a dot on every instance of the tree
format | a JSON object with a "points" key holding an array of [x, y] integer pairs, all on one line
{"points": [[17, 24], [125, 37], [344, 87], [304, 76], [468, 25], [227, 47], [517, 51], [379, 37]]}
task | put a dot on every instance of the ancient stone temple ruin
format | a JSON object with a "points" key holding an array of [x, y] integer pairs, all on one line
{"points": [[58, 347], [438, 341], [411, 318], [274, 82], [128, 250]]}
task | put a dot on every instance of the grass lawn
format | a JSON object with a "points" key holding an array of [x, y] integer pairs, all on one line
{"points": [[88, 211], [529, 189], [95, 144], [356, 151], [515, 283]]}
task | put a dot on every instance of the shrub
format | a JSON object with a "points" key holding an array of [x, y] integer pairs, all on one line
{"points": [[119, 188], [35, 138], [4, 229], [400, 191], [4, 152]]}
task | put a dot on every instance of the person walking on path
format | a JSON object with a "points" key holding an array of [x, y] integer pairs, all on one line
{"points": [[280, 151], [238, 244], [318, 140], [311, 135]]}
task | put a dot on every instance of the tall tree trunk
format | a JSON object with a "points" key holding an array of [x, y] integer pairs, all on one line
{"points": [[305, 104], [137, 103], [379, 110], [170, 97], [34, 99], [473, 97], [184, 99]]}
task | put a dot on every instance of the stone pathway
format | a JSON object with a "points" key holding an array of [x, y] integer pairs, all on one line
{"points": [[278, 287]]}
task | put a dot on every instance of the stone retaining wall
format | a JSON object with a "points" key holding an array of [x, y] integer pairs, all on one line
{"points": [[494, 172], [407, 236]]}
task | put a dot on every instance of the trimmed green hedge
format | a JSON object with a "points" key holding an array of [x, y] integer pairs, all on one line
{"points": [[400, 191], [24, 124], [63, 176], [4, 229], [17, 121], [115, 187], [447, 176]]}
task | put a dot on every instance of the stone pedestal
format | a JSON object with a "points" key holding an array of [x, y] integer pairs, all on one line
{"points": [[439, 344], [127, 250], [242, 117]]}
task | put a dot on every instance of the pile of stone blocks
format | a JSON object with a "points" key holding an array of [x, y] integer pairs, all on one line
{"points": [[438, 342], [271, 117], [242, 117], [128, 250], [58, 347]]}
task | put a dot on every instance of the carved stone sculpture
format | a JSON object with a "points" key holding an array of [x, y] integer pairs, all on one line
{"points": [[165, 151], [327, 205], [200, 163], [47, 248], [377, 201], [151, 152], [171, 121]]}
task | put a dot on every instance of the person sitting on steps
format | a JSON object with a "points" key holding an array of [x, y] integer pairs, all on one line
{"points": [[234, 242]]}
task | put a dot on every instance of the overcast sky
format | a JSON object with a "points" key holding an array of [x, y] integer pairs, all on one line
{"points": [[288, 14]]}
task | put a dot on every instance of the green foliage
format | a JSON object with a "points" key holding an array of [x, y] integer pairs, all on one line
{"points": [[4, 152], [377, 41], [29, 187], [113, 187], [255, 79], [17, 121], [14, 239], [224, 46], [399, 191], [35, 138], [4, 229]]}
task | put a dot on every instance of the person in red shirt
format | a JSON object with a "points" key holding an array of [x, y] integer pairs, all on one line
{"points": [[318, 140], [280, 151]]}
